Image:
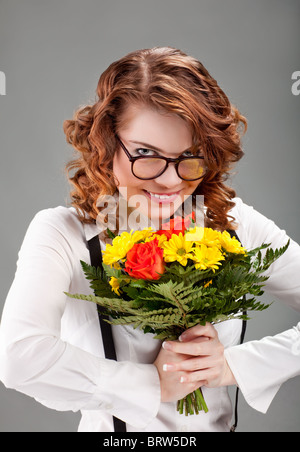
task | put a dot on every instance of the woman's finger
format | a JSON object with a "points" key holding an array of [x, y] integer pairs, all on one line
{"points": [[191, 365], [201, 378], [207, 330], [196, 347]]}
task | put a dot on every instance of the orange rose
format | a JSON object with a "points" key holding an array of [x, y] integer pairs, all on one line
{"points": [[176, 225], [145, 261]]}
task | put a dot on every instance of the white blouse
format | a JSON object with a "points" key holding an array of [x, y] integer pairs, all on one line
{"points": [[51, 348]]}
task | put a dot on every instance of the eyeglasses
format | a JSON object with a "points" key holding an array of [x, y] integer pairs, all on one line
{"points": [[148, 167]]}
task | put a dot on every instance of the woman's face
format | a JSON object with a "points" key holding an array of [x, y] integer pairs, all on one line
{"points": [[149, 132]]}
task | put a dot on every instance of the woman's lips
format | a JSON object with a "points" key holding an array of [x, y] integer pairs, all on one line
{"points": [[162, 198]]}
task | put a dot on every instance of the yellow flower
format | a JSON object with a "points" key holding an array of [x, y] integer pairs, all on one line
{"points": [[194, 235], [207, 257], [177, 249], [205, 236], [160, 237], [115, 287], [121, 244], [231, 244], [118, 250], [208, 284], [139, 236], [211, 238]]}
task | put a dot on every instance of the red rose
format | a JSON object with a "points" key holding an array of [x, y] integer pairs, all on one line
{"points": [[176, 225], [145, 261]]}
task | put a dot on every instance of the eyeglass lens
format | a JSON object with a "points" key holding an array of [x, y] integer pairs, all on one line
{"points": [[189, 169]]}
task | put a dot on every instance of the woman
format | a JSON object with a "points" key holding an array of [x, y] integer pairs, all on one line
{"points": [[163, 104]]}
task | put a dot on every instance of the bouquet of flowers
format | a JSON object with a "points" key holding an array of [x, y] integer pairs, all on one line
{"points": [[169, 280]]}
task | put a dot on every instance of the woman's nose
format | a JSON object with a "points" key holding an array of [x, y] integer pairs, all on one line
{"points": [[169, 178]]}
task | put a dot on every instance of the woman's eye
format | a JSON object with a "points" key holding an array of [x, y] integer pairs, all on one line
{"points": [[191, 154], [187, 154], [144, 152]]}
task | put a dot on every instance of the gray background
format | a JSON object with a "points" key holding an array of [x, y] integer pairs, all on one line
{"points": [[53, 53]]}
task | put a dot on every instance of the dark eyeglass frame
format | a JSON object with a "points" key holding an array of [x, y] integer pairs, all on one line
{"points": [[166, 159]]}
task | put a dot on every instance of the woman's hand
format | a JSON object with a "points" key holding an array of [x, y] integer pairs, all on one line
{"points": [[172, 389], [196, 360]]}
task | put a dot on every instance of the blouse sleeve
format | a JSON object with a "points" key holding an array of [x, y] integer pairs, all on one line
{"points": [[36, 361], [261, 367]]}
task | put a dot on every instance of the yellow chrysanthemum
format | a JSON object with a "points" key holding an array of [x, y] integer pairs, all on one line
{"points": [[119, 249], [230, 244], [160, 237], [194, 235], [115, 287], [139, 236], [207, 257], [207, 284], [177, 249], [205, 236], [211, 238], [121, 244]]}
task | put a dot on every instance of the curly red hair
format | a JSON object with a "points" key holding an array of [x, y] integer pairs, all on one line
{"points": [[166, 79]]}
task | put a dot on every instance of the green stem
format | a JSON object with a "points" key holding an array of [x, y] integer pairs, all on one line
{"points": [[192, 403], [195, 403], [200, 400], [180, 406]]}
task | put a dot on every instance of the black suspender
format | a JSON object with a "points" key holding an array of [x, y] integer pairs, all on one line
{"points": [[234, 426], [244, 327], [106, 331]]}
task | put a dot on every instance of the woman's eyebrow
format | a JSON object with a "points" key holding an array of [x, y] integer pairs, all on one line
{"points": [[150, 146]]}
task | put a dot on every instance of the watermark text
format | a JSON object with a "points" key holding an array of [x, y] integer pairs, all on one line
{"points": [[136, 212], [2, 84], [296, 85]]}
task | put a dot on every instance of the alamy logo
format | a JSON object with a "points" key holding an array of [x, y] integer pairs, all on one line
{"points": [[131, 217], [2, 84], [296, 84]]}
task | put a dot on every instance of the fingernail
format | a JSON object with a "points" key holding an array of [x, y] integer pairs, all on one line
{"points": [[182, 337], [166, 346], [167, 367]]}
